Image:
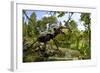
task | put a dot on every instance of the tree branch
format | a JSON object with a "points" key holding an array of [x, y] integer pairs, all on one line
{"points": [[27, 17]]}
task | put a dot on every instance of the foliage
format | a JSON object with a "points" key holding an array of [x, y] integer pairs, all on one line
{"points": [[74, 44], [85, 17]]}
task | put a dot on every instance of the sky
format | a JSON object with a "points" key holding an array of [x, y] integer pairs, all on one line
{"points": [[41, 14]]}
